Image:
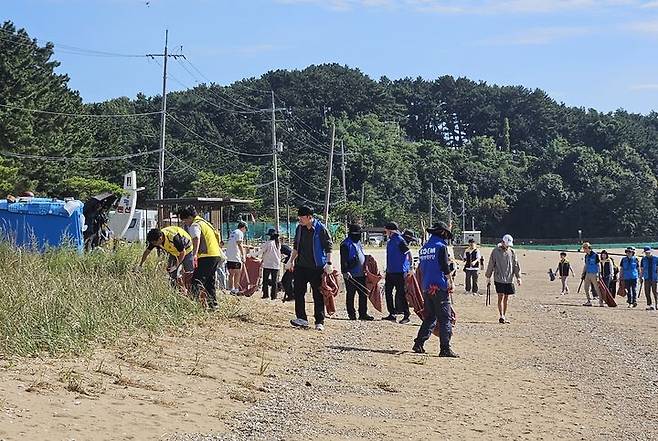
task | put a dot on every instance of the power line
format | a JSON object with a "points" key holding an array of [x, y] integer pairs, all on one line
{"points": [[81, 115], [73, 158], [237, 152]]}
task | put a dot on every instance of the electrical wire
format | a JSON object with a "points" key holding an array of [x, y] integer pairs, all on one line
{"points": [[73, 158], [237, 152], [80, 115]]}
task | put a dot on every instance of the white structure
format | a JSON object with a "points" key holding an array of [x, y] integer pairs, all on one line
{"points": [[468, 235], [141, 223]]}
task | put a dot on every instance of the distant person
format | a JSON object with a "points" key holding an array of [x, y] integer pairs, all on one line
{"points": [[271, 255], [236, 255], [590, 275], [648, 271], [609, 272], [178, 245], [311, 256], [398, 264], [206, 251], [504, 266], [352, 259], [563, 271], [436, 285], [629, 268], [471, 258], [409, 236], [287, 278]]}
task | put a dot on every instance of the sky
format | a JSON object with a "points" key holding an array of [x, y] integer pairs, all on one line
{"points": [[601, 54]]}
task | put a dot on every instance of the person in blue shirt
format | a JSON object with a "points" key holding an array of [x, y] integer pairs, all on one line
{"points": [[436, 284], [397, 266], [649, 274], [352, 259], [590, 276], [629, 270]]}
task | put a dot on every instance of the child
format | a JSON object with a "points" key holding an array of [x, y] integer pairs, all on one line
{"points": [[563, 270]]}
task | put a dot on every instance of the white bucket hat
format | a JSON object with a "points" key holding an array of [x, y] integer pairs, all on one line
{"points": [[508, 240]]}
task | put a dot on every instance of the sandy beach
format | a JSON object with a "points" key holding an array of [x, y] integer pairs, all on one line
{"points": [[557, 371]]}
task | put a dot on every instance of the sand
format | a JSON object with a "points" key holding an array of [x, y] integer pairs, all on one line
{"points": [[557, 371]]}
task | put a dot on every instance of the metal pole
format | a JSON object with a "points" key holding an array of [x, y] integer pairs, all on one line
{"points": [[327, 193], [342, 153], [288, 211], [163, 122], [472, 223], [463, 216], [431, 203], [276, 167], [449, 207]]}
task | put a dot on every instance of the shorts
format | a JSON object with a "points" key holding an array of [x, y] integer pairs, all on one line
{"points": [[504, 288], [233, 265], [187, 265]]}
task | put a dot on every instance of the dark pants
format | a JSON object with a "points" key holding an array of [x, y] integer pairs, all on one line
{"points": [[649, 287], [204, 277], [400, 305], [270, 279], [471, 281], [631, 291], [303, 277], [287, 285], [352, 286], [436, 309]]}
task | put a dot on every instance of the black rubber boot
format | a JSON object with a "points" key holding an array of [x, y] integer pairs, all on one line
{"points": [[448, 353]]}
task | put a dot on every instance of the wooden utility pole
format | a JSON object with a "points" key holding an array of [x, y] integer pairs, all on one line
{"points": [[431, 203], [343, 165], [327, 193], [275, 148]]}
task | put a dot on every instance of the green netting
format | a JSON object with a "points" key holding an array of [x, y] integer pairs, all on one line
{"points": [[576, 246]]}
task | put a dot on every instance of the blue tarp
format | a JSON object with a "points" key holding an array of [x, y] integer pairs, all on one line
{"points": [[39, 223]]}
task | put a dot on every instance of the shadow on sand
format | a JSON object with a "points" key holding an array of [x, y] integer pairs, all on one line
{"points": [[376, 351]]}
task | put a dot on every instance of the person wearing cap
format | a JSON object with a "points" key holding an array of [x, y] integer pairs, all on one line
{"points": [[206, 253], [398, 264], [178, 244], [630, 270], [564, 270], [590, 275], [311, 256], [352, 259], [471, 258], [236, 255], [271, 255], [436, 284], [410, 237], [648, 272], [504, 266], [609, 271]]}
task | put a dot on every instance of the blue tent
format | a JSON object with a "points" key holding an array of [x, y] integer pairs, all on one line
{"points": [[39, 223]]}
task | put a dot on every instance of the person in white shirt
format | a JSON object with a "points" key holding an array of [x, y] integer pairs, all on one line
{"points": [[235, 257], [271, 255]]}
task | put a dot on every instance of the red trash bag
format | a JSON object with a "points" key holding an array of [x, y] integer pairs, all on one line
{"points": [[251, 277], [329, 289], [374, 287]]}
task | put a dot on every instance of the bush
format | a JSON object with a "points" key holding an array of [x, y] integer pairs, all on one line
{"points": [[62, 302]]}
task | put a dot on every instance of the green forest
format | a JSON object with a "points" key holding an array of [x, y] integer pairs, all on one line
{"points": [[520, 161]]}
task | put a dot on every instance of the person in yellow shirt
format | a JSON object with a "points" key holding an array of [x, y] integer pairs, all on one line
{"points": [[206, 251], [178, 245]]}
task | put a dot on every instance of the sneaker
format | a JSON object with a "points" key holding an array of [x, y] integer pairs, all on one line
{"points": [[367, 318], [390, 318], [234, 291], [299, 323], [629, 305], [352, 317], [404, 320], [650, 308], [265, 297], [448, 353], [635, 305], [418, 348], [319, 327], [467, 292], [501, 320], [587, 304]]}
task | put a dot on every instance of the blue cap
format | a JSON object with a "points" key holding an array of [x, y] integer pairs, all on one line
{"points": [[647, 248]]}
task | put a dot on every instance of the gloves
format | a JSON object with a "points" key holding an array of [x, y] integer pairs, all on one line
{"points": [[582, 277], [328, 268], [196, 262], [347, 276], [288, 266]]}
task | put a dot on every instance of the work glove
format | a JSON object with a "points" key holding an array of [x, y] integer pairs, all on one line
{"points": [[328, 268], [347, 276], [582, 277], [196, 262]]}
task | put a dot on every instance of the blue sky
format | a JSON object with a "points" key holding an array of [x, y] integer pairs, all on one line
{"points": [[592, 53]]}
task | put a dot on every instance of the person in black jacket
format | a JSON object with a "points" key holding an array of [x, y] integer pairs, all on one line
{"points": [[352, 259]]}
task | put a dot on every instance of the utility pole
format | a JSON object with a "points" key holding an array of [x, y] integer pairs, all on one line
{"points": [[431, 203], [449, 207], [288, 212], [327, 193], [163, 123], [276, 167], [363, 193], [342, 153], [463, 216], [472, 223]]}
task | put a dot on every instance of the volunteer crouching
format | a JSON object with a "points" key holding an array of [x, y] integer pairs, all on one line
{"points": [[436, 284], [311, 256], [178, 244]]}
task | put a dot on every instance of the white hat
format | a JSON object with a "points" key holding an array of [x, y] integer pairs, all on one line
{"points": [[508, 240]]}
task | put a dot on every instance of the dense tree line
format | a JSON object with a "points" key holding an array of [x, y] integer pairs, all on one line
{"points": [[519, 160]]}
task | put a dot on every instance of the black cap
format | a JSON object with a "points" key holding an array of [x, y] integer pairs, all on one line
{"points": [[471, 240], [392, 226], [243, 224], [153, 235], [438, 227], [272, 232], [354, 228], [305, 211]]}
